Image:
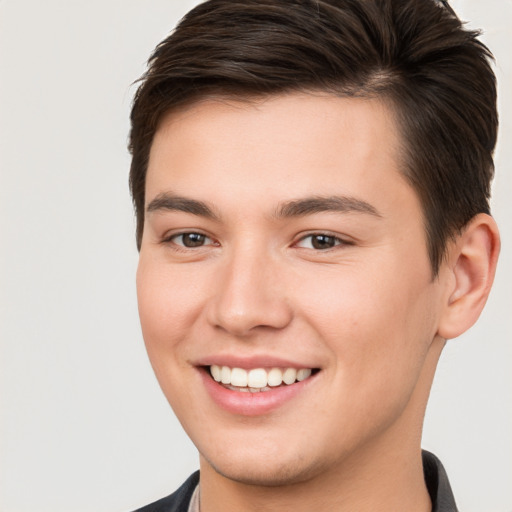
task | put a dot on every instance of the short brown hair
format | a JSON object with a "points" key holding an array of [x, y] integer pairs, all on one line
{"points": [[414, 53]]}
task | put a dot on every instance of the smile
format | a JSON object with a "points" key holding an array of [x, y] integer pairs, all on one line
{"points": [[257, 389], [257, 379]]}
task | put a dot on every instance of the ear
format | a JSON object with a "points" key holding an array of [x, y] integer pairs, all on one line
{"points": [[471, 265]]}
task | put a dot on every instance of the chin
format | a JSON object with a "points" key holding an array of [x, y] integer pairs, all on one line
{"points": [[262, 473]]}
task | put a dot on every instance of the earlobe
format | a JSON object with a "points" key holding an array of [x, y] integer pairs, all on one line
{"points": [[472, 263]]}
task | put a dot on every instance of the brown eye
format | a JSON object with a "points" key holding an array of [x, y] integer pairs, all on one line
{"points": [[191, 240], [319, 242], [323, 241]]}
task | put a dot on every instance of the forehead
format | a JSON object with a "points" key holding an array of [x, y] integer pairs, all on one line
{"points": [[278, 148]]}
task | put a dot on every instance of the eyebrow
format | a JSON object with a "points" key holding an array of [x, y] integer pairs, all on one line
{"points": [[319, 204], [295, 208], [171, 202]]}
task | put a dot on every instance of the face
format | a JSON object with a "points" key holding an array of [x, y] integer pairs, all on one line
{"points": [[285, 291]]}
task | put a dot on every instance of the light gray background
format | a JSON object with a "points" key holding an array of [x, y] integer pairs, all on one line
{"points": [[84, 426]]}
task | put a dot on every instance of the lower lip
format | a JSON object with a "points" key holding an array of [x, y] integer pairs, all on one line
{"points": [[252, 404]]}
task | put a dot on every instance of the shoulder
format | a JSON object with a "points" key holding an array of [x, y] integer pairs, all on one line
{"points": [[438, 484], [178, 501]]}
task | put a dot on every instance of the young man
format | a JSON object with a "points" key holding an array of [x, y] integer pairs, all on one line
{"points": [[311, 181]]}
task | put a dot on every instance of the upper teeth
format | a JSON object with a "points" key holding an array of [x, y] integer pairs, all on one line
{"points": [[258, 377]]}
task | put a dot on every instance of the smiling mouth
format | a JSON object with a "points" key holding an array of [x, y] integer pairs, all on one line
{"points": [[258, 379]]}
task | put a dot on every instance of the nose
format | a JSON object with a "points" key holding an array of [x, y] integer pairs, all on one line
{"points": [[249, 295]]}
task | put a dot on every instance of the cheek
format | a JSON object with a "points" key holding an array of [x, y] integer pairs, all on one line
{"points": [[168, 304], [348, 300], [167, 298], [377, 327], [378, 334]]}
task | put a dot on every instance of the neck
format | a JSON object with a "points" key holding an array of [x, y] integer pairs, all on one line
{"points": [[386, 474]]}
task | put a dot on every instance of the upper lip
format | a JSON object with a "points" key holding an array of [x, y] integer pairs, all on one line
{"points": [[249, 362]]}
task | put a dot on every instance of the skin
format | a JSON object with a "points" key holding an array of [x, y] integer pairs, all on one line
{"points": [[366, 312]]}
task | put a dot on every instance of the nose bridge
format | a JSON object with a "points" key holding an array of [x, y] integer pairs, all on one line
{"points": [[248, 291]]}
